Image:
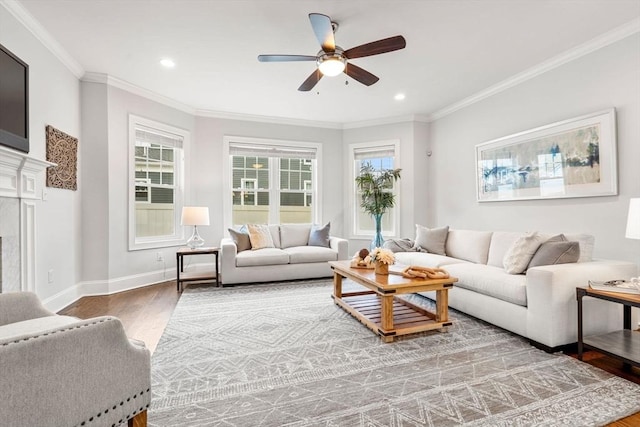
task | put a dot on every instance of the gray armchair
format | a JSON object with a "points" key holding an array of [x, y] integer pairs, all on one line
{"points": [[61, 371]]}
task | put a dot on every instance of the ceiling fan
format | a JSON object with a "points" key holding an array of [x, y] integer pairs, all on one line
{"points": [[332, 60]]}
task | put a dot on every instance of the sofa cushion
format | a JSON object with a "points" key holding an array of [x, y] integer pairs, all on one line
{"points": [[303, 254], [319, 235], [501, 241], [240, 238], [469, 245], [275, 234], [294, 235], [556, 250], [266, 256], [260, 236], [431, 239], [520, 253], [491, 281]]}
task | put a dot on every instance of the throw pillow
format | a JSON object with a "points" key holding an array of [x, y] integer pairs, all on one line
{"points": [[240, 238], [520, 253], [556, 250], [431, 239], [260, 236], [319, 236]]}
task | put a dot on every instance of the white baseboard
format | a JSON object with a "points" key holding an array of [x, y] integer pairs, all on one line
{"points": [[70, 295]]}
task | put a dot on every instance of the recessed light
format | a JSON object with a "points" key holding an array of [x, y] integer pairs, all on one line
{"points": [[399, 97], [167, 62]]}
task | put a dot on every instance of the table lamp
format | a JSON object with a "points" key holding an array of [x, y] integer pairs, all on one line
{"points": [[195, 215]]}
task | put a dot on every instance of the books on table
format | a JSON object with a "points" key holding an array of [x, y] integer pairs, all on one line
{"points": [[621, 286]]}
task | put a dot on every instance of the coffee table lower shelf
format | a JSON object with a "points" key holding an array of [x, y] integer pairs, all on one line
{"points": [[408, 318]]}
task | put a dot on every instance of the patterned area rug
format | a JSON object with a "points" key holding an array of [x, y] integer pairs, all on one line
{"points": [[285, 355]]}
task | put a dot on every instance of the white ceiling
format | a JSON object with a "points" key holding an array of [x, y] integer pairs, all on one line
{"points": [[456, 49]]}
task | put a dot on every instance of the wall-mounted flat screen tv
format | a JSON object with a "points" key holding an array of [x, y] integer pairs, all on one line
{"points": [[14, 101]]}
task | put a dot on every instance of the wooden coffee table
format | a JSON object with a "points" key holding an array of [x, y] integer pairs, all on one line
{"points": [[379, 309]]}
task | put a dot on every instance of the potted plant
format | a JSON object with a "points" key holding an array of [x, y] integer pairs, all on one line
{"points": [[376, 196]]}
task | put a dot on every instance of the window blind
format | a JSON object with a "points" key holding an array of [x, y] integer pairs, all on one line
{"points": [[279, 151], [382, 151], [146, 137]]}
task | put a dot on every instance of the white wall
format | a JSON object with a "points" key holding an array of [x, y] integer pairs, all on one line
{"points": [[54, 99], [603, 79]]}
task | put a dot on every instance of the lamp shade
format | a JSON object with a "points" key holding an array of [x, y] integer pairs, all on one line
{"points": [[195, 215], [633, 220]]}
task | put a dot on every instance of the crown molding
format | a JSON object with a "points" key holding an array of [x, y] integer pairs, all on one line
{"points": [[606, 39], [30, 23], [386, 121], [93, 77], [268, 119]]}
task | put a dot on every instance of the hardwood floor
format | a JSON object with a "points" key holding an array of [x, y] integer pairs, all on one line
{"points": [[145, 312]]}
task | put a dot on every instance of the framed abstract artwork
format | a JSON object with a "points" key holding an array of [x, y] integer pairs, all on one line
{"points": [[571, 158]]}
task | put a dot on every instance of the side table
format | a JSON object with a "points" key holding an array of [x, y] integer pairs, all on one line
{"points": [[199, 276], [623, 344]]}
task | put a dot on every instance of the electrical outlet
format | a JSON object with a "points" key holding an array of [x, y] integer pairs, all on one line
{"points": [[50, 276], [159, 257]]}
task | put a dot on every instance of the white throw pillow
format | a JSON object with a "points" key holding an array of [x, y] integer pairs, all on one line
{"points": [[294, 235], [520, 253], [260, 236]]}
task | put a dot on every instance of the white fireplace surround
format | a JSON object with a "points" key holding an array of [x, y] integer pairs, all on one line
{"points": [[21, 178]]}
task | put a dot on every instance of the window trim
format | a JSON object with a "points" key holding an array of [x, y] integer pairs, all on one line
{"points": [[354, 204], [227, 202], [178, 237]]}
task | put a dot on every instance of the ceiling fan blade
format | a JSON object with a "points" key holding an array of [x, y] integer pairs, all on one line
{"points": [[311, 81], [376, 48], [324, 31], [360, 74], [285, 58]]}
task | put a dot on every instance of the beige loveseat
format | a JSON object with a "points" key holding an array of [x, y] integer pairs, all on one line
{"points": [[61, 371], [540, 303], [290, 257]]}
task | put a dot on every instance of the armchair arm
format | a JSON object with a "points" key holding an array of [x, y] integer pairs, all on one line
{"points": [[19, 306], [73, 373]]}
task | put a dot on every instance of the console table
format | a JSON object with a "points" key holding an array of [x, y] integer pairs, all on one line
{"points": [[623, 344], [196, 276]]}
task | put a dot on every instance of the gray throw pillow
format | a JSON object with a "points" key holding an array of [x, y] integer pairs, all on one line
{"points": [[400, 245], [319, 236], [556, 250], [431, 239], [241, 239]]}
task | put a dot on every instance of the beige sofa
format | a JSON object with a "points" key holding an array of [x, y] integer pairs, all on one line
{"points": [[62, 371], [539, 304], [291, 257]]}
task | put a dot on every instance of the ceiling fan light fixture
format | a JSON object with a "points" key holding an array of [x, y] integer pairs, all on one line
{"points": [[331, 64]]}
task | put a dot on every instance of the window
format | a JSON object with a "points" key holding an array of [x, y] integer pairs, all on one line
{"points": [[381, 155], [155, 202], [271, 182]]}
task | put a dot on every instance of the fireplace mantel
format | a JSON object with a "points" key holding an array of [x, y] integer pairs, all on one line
{"points": [[21, 180], [18, 174]]}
